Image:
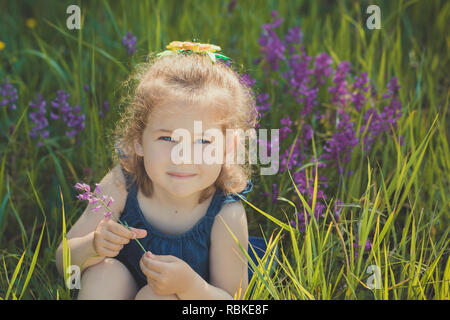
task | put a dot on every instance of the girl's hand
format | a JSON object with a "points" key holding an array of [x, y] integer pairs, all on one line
{"points": [[166, 274], [110, 237]]}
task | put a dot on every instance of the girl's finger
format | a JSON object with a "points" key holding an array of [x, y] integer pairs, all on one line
{"points": [[151, 283], [148, 272], [111, 246], [114, 238], [120, 230], [140, 233], [107, 252], [165, 258], [153, 264]]}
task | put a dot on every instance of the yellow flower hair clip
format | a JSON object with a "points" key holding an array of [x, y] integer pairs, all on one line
{"points": [[195, 47]]}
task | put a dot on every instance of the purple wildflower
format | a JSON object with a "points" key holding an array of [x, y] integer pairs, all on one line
{"points": [[129, 41], [299, 150], [339, 90], [318, 212], [337, 209], [298, 78], [274, 193], [93, 197], [226, 62], [340, 146], [39, 118], [272, 48], [286, 127], [307, 133], [262, 102], [105, 108], [322, 69], [296, 159], [263, 145], [71, 116], [294, 36], [82, 187], [380, 121], [84, 196], [8, 95], [306, 187], [358, 98], [367, 246], [247, 80]]}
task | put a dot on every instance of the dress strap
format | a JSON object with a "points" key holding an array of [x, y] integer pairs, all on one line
{"points": [[234, 197], [119, 151], [220, 199]]}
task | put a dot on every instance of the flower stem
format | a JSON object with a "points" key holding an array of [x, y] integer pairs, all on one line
{"points": [[124, 224]]}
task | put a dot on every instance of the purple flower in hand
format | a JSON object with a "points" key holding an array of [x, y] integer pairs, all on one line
{"points": [[95, 197]]}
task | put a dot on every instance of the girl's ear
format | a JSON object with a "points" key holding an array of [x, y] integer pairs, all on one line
{"points": [[138, 149]]}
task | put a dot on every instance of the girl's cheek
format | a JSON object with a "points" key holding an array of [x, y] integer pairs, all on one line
{"points": [[211, 170]]}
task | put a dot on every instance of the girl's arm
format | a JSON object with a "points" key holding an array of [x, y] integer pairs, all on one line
{"points": [[228, 265], [81, 235], [82, 253]]}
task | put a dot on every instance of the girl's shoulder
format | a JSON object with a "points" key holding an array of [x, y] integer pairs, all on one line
{"points": [[232, 208], [116, 187]]}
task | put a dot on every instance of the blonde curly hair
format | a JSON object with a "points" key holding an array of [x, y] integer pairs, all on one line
{"points": [[193, 78]]}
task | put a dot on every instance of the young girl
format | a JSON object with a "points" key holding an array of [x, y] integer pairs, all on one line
{"points": [[182, 214]]}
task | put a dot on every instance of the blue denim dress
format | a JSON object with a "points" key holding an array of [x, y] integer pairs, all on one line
{"points": [[191, 246]]}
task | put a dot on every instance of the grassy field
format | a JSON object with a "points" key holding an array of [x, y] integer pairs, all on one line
{"points": [[360, 206]]}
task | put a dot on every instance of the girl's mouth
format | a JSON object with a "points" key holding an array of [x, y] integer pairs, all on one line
{"points": [[181, 175]]}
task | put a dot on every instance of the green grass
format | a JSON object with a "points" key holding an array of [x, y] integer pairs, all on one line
{"points": [[397, 196]]}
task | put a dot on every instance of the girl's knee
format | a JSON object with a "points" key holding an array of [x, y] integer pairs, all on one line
{"points": [[147, 293], [103, 269], [109, 279]]}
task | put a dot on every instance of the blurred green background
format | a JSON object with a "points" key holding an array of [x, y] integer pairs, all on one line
{"points": [[38, 54]]}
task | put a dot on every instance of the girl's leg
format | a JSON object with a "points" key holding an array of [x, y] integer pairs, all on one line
{"points": [[147, 293], [108, 280]]}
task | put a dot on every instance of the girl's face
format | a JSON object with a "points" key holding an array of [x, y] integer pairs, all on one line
{"points": [[157, 146]]}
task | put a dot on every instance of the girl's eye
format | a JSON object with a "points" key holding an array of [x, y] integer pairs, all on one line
{"points": [[169, 139], [204, 141], [163, 138]]}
